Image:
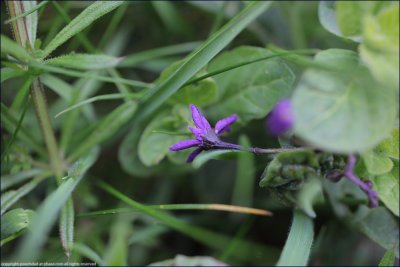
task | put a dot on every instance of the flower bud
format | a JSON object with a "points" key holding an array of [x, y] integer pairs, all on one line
{"points": [[281, 118]]}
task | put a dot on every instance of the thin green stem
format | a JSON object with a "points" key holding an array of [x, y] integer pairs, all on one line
{"points": [[39, 102]]}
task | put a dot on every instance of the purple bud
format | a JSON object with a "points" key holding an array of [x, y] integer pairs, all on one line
{"points": [[281, 118]]}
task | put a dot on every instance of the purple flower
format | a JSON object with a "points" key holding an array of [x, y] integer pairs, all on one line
{"points": [[281, 118], [207, 138]]}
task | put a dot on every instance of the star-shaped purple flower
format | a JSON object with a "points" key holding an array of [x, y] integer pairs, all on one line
{"points": [[207, 138]]}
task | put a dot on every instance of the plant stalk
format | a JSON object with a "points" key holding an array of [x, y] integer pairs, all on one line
{"points": [[39, 102]]}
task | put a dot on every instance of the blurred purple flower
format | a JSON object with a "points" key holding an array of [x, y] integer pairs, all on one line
{"points": [[281, 118], [207, 138]]}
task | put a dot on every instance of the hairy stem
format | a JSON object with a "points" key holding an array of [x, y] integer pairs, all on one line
{"points": [[39, 102]]}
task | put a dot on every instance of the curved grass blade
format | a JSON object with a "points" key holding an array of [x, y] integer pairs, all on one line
{"points": [[298, 245], [87, 252], [137, 58], [98, 98], [209, 238], [156, 96], [15, 178], [84, 19]]}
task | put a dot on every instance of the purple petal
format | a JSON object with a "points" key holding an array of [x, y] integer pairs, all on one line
{"points": [[199, 120], [193, 155], [197, 132], [223, 124], [281, 118], [184, 144]]}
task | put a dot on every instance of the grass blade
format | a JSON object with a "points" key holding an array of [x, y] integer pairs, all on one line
{"points": [[9, 73], [29, 11], [10, 47], [217, 207], [9, 198], [15, 178], [137, 58], [243, 189], [84, 19], [298, 245], [198, 59], [106, 128], [97, 98], [206, 237], [87, 252], [48, 211]]}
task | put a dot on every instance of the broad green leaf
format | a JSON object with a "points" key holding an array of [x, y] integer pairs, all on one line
{"points": [[194, 62], [80, 22], [350, 15], [154, 146], [11, 48], [15, 221], [298, 244], [387, 186], [8, 73], [67, 227], [380, 49], [84, 61], [59, 86], [342, 111], [390, 146], [109, 125], [380, 226], [375, 163], [249, 91], [201, 93], [327, 18], [245, 174], [50, 208], [388, 259], [181, 260]]}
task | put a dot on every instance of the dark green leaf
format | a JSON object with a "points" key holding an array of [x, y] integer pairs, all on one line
{"points": [[252, 90]]}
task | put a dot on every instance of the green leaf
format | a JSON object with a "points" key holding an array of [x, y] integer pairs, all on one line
{"points": [[15, 221], [387, 186], [84, 61], [87, 252], [67, 227], [181, 260], [31, 20], [388, 259], [342, 111], [11, 48], [328, 19], [156, 96], [50, 208], [116, 253], [298, 244], [380, 49], [252, 90], [375, 163], [108, 126], [15, 178], [80, 22], [380, 226], [350, 15], [201, 159], [201, 93], [390, 146], [154, 146]]}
